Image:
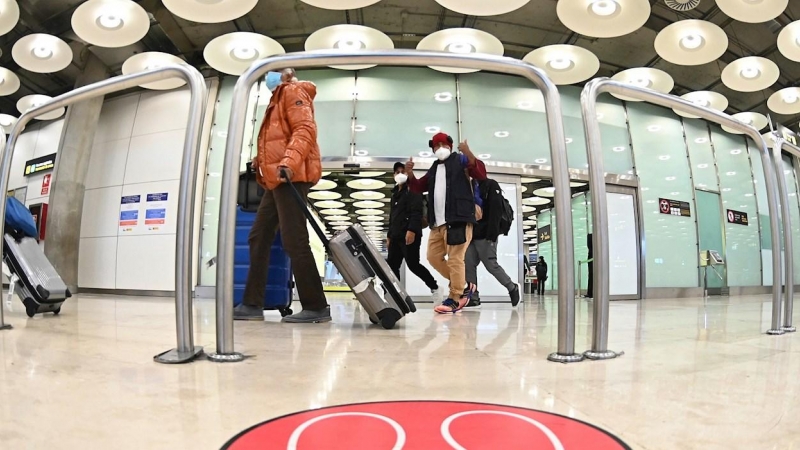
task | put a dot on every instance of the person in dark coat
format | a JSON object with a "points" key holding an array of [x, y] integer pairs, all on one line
{"points": [[590, 264], [541, 275], [404, 237]]}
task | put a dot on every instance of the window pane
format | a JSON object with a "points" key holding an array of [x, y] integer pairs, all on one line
{"points": [[663, 172], [400, 109]]}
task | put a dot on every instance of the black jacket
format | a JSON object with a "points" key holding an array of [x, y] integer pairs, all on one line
{"points": [[541, 269], [460, 203], [406, 212], [489, 226]]}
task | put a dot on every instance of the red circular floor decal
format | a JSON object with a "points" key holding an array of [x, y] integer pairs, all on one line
{"points": [[424, 425]]}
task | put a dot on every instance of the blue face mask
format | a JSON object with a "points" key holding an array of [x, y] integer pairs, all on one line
{"points": [[273, 80]]}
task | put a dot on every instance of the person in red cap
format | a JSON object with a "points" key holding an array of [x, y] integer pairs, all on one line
{"points": [[451, 214]]}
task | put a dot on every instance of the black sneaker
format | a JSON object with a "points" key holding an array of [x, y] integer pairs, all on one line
{"points": [[474, 303], [514, 294]]}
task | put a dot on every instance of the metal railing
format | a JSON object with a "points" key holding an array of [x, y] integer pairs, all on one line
{"points": [[788, 293], [186, 350], [589, 96], [227, 216]]}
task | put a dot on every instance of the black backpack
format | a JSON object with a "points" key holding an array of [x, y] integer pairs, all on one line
{"points": [[506, 215]]}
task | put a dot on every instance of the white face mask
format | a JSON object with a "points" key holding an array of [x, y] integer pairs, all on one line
{"points": [[400, 178], [443, 153]]}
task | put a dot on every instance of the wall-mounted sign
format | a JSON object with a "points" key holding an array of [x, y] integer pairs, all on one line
{"points": [[155, 214], [544, 234], [40, 164], [674, 207], [46, 184], [737, 217], [129, 213], [787, 134]]}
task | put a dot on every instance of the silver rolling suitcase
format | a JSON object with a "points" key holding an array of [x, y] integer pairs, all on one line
{"points": [[365, 271], [36, 280]]}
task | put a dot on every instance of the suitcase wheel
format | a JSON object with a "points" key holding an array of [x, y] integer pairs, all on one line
{"points": [[389, 318], [57, 311], [374, 322], [30, 307], [286, 312]]}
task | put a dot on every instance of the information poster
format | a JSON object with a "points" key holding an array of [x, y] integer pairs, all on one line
{"points": [[129, 213], [674, 207], [544, 234], [737, 217], [155, 215], [46, 184]]}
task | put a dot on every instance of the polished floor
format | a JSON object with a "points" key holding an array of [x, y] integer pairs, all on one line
{"points": [[695, 374]]}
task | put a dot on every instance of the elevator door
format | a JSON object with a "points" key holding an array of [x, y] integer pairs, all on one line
{"points": [[710, 235], [623, 243]]}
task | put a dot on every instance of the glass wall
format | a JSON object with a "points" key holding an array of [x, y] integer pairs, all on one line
{"points": [[794, 212], [661, 163], [763, 213], [333, 108]]}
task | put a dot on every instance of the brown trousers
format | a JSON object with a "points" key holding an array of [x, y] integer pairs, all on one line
{"points": [[279, 208], [452, 268]]}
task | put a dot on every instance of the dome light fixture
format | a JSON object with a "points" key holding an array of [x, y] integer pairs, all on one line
{"points": [[210, 11], [754, 119], [9, 15], [646, 77], [42, 53], [233, 53], [564, 64], [34, 101], [752, 11], [9, 82], [691, 42], [789, 41], [461, 41], [707, 99], [603, 18], [785, 101], [153, 60], [750, 74], [483, 7], [349, 38], [340, 5]]}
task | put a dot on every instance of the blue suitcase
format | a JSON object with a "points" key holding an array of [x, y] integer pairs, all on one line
{"points": [[279, 285]]}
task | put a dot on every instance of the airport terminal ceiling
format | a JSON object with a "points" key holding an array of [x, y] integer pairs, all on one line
{"points": [[723, 37]]}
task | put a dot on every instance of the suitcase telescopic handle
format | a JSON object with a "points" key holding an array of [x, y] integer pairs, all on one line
{"points": [[304, 207]]}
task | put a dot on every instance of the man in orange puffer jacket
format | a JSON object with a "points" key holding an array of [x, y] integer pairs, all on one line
{"points": [[287, 141]]}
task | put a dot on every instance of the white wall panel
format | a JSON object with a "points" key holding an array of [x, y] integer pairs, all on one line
{"points": [[155, 157], [146, 262], [107, 164], [23, 152], [35, 189], [162, 111], [101, 212], [49, 138], [97, 267], [171, 188], [116, 118]]}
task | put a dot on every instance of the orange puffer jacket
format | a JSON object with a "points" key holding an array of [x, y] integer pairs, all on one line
{"points": [[288, 136]]}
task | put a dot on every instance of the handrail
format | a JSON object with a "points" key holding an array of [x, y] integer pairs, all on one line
{"points": [[589, 96], [230, 175], [788, 293], [186, 350]]}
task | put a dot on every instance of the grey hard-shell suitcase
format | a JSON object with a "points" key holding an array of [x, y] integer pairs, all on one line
{"points": [[39, 285], [365, 271]]}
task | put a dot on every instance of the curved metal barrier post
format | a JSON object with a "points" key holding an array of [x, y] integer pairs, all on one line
{"points": [[589, 96], [186, 350], [788, 292], [3, 324], [230, 174]]}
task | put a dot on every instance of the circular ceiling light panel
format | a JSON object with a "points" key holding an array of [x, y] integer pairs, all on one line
{"points": [[367, 195], [210, 11], [367, 204], [340, 5], [482, 7], [110, 23], [785, 101], [752, 11], [645, 77], [709, 99], [328, 204], [369, 174], [153, 60], [33, 101], [756, 120], [529, 180], [545, 192], [9, 15], [233, 53], [324, 195], [9, 82], [369, 212], [349, 38], [565, 64], [528, 209], [529, 222], [337, 218], [750, 74], [603, 18], [7, 122], [42, 53], [576, 183], [324, 185], [370, 218], [333, 212], [341, 223], [535, 201], [372, 224], [461, 41], [789, 41], [366, 184], [691, 42]]}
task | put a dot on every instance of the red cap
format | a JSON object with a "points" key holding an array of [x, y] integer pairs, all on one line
{"points": [[441, 138]]}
